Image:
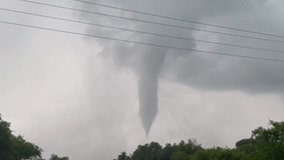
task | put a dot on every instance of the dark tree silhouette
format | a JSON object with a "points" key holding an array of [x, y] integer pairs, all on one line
{"points": [[15, 147]]}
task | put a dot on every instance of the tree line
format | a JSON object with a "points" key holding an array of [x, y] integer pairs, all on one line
{"points": [[263, 144]]}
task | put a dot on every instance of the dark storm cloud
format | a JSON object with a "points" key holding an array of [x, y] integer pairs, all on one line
{"points": [[192, 68]]}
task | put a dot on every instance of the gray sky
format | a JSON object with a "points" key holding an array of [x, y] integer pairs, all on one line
{"points": [[90, 99]]}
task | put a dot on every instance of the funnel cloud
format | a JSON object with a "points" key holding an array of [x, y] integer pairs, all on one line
{"points": [[149, 70], [148, 101]]}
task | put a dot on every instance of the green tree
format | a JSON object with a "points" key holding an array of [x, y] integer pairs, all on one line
{"points": [[179, 156], [15, 147], [147, 152], [123, 156], [243, 142], [264, 143], [23, 149], [56, 157], [5, 141], [274, 134], [190, 147], [167, 152]]}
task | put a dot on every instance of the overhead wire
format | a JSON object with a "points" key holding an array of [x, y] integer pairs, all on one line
{"points": [[152, 22], [138, 42], [141, 32], [178, 19]]}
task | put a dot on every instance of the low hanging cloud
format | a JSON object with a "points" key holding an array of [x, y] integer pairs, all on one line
{"points": [[203, 71]]}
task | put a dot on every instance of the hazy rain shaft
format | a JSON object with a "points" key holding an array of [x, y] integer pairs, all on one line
{"points": [[149, 63]]}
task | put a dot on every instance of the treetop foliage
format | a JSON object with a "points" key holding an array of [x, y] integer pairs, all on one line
{"points": [[15, 147]]}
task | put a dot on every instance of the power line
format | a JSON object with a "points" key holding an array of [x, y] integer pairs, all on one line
{"points": [[179, 19], [141, 43], [141, 32], [151, 22]]}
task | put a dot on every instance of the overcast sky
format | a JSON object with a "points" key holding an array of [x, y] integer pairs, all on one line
{"points": [[90, 98]]}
